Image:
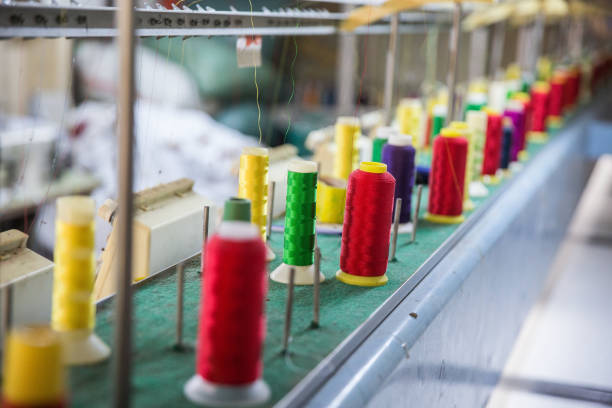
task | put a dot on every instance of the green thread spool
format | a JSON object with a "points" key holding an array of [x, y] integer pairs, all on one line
{"points": [[237, 209], [298, 249], [437, 121], [300, 217], [382, 136], [475, 102]]}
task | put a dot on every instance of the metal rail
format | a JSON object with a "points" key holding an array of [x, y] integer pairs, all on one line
{"points": [[33, 20]]}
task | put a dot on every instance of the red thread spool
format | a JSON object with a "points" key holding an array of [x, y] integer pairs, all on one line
{"points": [[446, 181], [367, 225], [232, 321], [540, 94], [573, 83], [555, 107], [492, 148]]}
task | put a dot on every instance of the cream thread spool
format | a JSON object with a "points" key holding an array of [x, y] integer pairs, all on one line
{"points": [[477, 123], [74, 311]]}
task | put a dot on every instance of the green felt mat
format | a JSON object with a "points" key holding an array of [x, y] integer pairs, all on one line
{"points": [[159, 372]]}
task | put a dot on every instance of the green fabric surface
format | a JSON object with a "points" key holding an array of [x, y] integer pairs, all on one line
{"points": [[159, 372]]}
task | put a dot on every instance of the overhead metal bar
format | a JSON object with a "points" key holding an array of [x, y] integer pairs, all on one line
{"points": [[33, 20]]}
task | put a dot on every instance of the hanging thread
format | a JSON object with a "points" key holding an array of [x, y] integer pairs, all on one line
{"points": [[364, 250], [347, 152], [232, 320], [492, 149], [253, 184], [447, 178], [507, 136], [399, 155], [298, 248], [33, 374], [515, 112], [477, 122], [467, 134], [382, 137], [331, 198]]}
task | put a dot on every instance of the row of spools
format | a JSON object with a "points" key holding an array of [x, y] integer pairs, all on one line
{"points": [[465, 157]]}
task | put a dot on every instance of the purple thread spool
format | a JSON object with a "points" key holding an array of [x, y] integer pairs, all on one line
{"points": [[398, 155], [516, 113]]}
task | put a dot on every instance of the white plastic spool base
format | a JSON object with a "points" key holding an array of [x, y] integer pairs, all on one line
{"points": [[515, 167], [405, 228], [304, 275], [83, 347], [478, 189], [202, 392]]}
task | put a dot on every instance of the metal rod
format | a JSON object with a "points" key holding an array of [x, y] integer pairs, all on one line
{"points": [[180, 286], [453, 63], [288, 310], [390, 68], [396, 218], [125, 120], [205, 222], [5, 316], [317, 287], [538, 36], [497, 48], [270, 209], [415, 218]]}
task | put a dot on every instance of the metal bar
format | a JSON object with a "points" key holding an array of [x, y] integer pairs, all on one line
{"points": [[345, 65], [390, 68], [538, 36], [453, 63], [180, 286], [415, 218], [317, 287], [270, 209], [125, 124], [51, 21], [288, 311], [396, 217]]}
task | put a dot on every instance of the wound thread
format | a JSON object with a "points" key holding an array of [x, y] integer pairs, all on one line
{"points": [[447, 178], [347, 151], [253, 184], [540, 94], [232, 321], [507, 136], [493, 144], [477, 122], [74, 270], [299, 236], [331, 199], [364, 250], [399, 156]]}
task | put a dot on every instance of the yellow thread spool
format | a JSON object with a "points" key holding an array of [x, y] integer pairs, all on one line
{"points": [[409, 117], [73, 313], [253, 184], [331, 198], [347, 151], [465, 131], [33, 369]]}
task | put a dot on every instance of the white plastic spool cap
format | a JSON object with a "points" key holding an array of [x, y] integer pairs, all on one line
{"points": [[348, 120], [398, 139], [255, 151], [439, 110], [302, 166], [384, 132], [238, 230]]}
